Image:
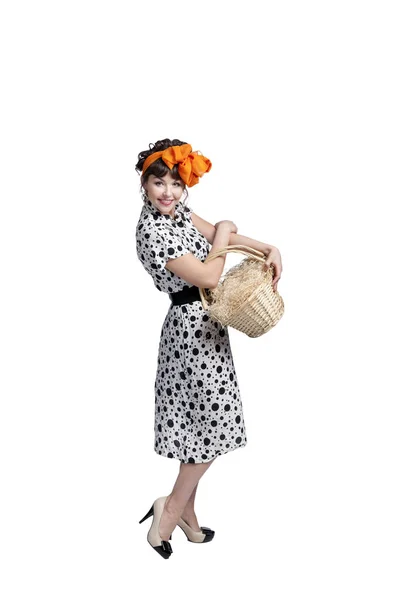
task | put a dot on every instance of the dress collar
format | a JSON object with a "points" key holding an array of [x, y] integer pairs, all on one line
{"points": [[181, 211]]}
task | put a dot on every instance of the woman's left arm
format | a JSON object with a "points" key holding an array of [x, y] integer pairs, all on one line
{"points": [[272, 253]]}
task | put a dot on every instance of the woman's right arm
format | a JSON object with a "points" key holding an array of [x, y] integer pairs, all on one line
{"points": [[204, 275]]}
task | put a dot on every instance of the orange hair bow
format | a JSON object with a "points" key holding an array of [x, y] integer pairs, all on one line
{"points": [[192, 165]]}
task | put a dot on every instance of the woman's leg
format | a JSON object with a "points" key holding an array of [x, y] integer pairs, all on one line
{"points": [[186, 482], [189, 514]]}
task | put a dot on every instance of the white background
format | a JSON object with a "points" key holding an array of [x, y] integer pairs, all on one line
{"points": [[297, 106]]}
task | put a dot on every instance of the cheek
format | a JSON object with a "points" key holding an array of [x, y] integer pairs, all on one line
{"points": [[178, 192], [152, 190]]}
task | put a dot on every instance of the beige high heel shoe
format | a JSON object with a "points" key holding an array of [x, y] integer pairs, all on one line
{"points": [[153, 536], [200, 537]]}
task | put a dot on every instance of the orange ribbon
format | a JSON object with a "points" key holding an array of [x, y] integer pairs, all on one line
{"points": [[192, 165]]}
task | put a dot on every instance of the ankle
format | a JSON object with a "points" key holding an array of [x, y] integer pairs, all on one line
{"points": [[171, 507], [188, 510]]}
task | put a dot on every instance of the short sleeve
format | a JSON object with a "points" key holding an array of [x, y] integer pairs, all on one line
{"points": [[159, 245]]}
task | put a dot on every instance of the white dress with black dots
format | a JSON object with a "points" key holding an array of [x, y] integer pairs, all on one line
{"points": [[198, 409]]}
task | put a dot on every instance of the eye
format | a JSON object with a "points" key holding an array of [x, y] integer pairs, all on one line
{"points": [[158, 182], [177, 183]]}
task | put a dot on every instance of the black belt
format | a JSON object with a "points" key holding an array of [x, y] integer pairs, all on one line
{"points": [[185, 296]]}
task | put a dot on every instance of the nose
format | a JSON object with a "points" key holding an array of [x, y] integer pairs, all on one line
{"points": [[168, 192]]}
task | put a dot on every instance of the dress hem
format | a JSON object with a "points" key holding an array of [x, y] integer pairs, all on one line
{"points": [[196, 462]]}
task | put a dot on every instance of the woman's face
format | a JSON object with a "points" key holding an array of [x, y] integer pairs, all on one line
{"points": [[164, 193]]}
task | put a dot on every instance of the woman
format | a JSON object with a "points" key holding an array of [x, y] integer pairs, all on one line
{"points": [[198, 410]]}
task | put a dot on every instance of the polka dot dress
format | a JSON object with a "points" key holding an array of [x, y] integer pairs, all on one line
{"points": [[198, 410]]}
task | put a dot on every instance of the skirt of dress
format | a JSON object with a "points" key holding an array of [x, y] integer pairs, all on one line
{"points": [[198, 409]]}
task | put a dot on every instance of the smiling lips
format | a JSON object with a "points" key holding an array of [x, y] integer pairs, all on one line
{"points": [[166, 202]]}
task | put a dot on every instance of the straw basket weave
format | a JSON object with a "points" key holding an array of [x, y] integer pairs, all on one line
{"points": [[259, 309]]}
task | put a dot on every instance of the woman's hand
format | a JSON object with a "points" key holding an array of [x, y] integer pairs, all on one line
{"points": [[273, 257], [229, 224]]}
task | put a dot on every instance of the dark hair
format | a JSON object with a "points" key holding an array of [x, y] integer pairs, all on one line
{"points": [[158, 168]]}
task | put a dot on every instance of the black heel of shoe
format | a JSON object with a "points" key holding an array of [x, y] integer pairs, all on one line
{"points": [[149, 514], [153, 536]]}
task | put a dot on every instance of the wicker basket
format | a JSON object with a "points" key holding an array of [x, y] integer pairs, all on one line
{"points": [[261, 309]]}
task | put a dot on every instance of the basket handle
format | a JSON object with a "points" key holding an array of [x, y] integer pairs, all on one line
{"points": [[260, 256]]}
